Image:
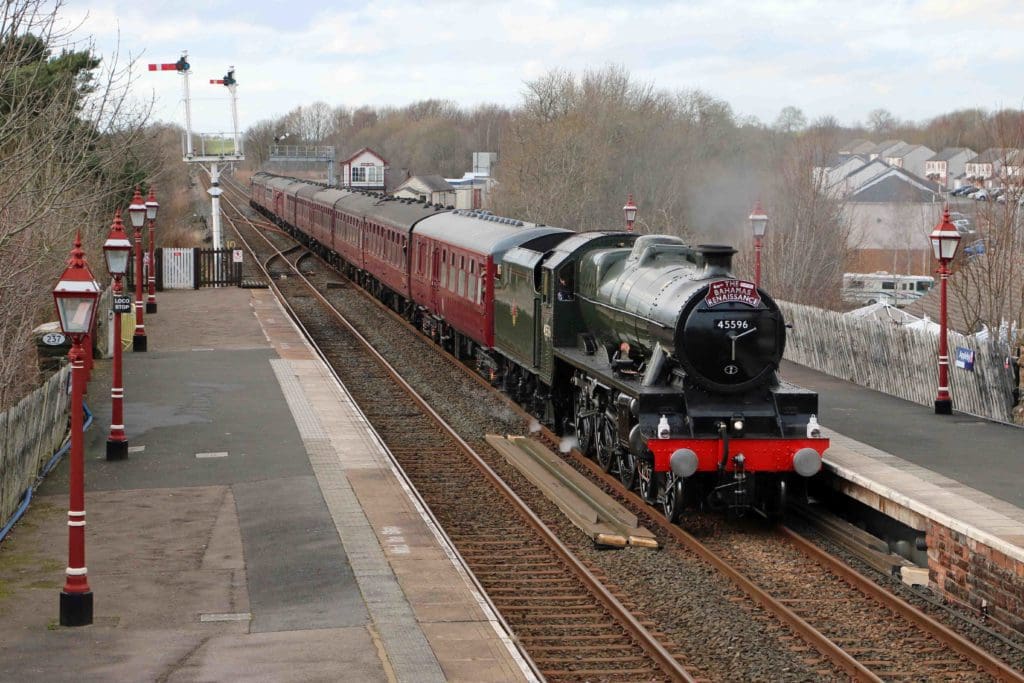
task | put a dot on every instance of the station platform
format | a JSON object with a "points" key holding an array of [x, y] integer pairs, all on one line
{"points": [[256, 531], [956, 478]]}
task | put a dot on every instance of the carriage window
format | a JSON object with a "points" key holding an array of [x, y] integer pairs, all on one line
{"points": [[480, 291], [472, 267], [462, 284], [471, 289]]}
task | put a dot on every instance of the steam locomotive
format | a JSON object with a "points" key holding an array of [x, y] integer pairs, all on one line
{"points": [[649, 352]]}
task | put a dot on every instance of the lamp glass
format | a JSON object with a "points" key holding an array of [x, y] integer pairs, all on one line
{"points": [[937, 248], [137, 212], [117, 260], [949, 245], [630, 213], [759, 224], [75, 313], [151, 209]]}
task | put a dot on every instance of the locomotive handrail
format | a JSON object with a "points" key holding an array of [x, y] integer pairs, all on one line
{"points": [[620, 310]]}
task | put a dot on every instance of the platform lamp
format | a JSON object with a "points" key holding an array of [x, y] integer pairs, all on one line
{"points": [[137, 213], [629, 211], [76, 295], [758, 223], [117, 251], [152, 206], [945, 240]]}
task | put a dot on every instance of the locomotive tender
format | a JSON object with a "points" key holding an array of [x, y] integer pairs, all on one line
{"points": [[660, 362]]}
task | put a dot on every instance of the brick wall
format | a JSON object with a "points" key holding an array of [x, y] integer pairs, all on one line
{"points": [[970, 572]]}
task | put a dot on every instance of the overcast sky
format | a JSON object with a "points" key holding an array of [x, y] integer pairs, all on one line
{"points": [[914, 58]]}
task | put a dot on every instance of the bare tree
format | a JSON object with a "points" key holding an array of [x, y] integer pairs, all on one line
{"points": [[881, 121], [67, 122], [790, 120], [808, 244]]}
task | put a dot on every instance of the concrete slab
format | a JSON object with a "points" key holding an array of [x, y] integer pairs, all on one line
{"points": [[297, 572]]}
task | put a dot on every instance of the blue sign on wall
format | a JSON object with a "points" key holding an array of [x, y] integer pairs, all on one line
{"points": [[965, 358]]}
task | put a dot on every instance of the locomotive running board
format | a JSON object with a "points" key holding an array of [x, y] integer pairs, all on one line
{"points": [[579, 499]]}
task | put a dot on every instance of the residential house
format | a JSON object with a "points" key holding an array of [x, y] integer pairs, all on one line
{"points": [[856, 178], [884, 149], [831, 171], [948, 165], [364, 170], [910, 158], [432, 189], [891, 216], [985, 170], [1013, 170], [473, 189]]}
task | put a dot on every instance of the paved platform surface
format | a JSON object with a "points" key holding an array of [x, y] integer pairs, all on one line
{"points": [[256, 531], [959, 470]]}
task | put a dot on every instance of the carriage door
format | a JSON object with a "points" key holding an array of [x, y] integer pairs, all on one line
{"points": [[435, 277]]}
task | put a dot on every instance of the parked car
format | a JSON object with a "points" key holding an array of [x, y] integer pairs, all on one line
{"points": [[976, 247], [980, 196]]}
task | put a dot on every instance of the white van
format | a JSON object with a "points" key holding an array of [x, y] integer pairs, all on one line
{"points": [[882, 287]]}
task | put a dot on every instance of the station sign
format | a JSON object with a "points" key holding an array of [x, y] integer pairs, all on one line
{"points": [[54, 339], [122, 303], [965, 358], [236, 256]]}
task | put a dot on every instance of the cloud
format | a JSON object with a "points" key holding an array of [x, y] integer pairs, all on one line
{"points": [[826, 57]]}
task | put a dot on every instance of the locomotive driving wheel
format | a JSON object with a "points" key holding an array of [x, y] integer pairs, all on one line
{"points": [[648, 480], [584, 420], [672, 498], [628, 467], [606, 441]]}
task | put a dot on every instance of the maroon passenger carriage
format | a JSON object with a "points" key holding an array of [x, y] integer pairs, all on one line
{"points": [[454, 268]]}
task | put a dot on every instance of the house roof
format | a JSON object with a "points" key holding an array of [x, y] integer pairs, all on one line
{"points": [[364, 149], [950, 152], [432, 183], [906, 150], [895, 185], [886, 146], [991, 154], [876, 166], [857, 147], [435, 183]]}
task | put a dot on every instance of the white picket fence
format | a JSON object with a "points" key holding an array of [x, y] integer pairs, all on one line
{"points": [[178, 268], [899, 361], [30, 433]]}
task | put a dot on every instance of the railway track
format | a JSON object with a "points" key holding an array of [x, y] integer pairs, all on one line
{"points": [[865, 637], [570, 625]]}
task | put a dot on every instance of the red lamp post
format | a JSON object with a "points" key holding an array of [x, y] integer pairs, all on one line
{"points": [[137, 212], [152, 206], [945, 240], [758, 223], [75, 296], [117, 250], [629, 211]]}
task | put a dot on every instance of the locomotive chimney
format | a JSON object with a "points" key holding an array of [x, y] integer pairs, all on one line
{"points": [[715, 258]]}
